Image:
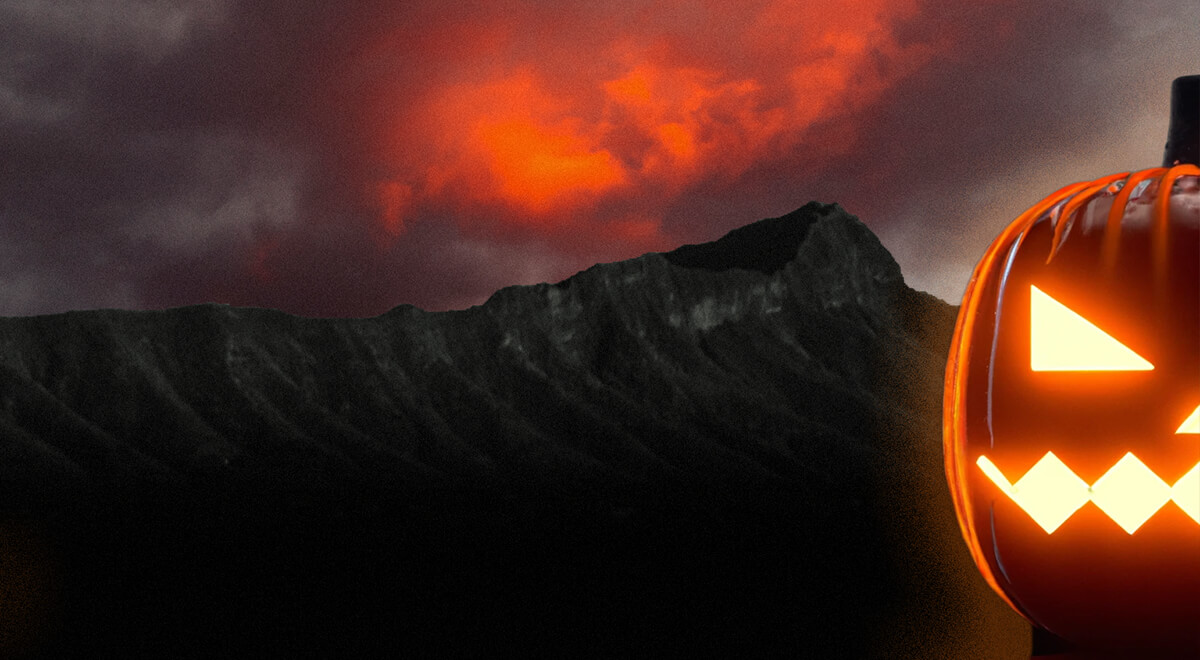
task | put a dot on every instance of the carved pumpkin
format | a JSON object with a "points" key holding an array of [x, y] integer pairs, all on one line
{"points": [[1072, 413]]}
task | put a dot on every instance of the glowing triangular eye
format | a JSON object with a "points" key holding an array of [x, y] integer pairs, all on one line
{"points": [[1062, 340], [1192, 423]]}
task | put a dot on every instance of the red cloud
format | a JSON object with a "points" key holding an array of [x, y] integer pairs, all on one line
{"points": [[548, 120]]}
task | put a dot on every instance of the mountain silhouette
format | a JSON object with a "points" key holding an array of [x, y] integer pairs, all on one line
{"points": [[728, 450]]}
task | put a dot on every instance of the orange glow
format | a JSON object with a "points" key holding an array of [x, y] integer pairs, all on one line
{"points": [[1191, 424], [635, 87], [541, 167], [678, 141], [1186, 493], [1049, 492], [1129, 492], [1062, 340], [695, 120], [546, 130], [1094, 449]]}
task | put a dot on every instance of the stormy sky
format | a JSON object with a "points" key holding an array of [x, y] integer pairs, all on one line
{"points": [[338, 159]]}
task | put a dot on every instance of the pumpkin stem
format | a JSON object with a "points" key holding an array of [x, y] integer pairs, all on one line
{"points": [[1183, 135]]}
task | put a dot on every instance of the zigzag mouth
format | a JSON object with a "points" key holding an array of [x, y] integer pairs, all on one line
{"points": [[1129, 492]]}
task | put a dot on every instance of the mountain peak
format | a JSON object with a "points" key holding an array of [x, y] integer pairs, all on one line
{"points": [[765, 246]]}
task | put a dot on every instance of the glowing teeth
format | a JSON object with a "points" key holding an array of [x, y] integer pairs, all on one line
{"points": [[1130, 493], [1049, 492], [1186, 493]]}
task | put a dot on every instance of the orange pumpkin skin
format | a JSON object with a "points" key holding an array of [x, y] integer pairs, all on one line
{"points": [[1122, 253]]}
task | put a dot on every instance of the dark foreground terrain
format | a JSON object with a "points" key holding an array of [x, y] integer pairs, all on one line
{"points": [[729, 450]]}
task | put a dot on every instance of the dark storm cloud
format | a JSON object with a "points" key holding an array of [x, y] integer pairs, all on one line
{"points": [[342, 158], [132, 156]]}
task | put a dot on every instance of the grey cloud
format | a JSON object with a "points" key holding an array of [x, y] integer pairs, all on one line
{"points": [[153, 28]]}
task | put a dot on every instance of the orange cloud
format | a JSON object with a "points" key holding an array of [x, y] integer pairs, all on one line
{"points": [[686, 93], [510, 141], [543, 167], [696, 122]]}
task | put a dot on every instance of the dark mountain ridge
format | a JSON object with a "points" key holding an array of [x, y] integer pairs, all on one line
{"points": [[730, 448]]}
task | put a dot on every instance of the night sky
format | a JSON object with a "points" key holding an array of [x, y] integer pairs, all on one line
{"points": [[339, 159]]}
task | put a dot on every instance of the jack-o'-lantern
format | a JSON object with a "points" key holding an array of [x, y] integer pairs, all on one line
{"points": [[1072, 409]]}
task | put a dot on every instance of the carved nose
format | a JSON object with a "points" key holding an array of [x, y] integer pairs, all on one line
{"points": [[1192, 423]]}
